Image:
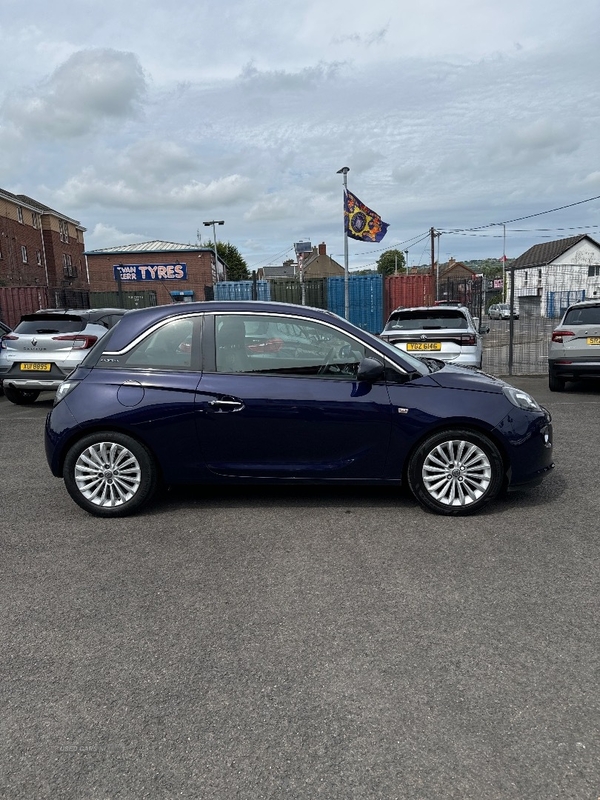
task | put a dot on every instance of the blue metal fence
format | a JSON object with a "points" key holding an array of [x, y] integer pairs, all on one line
{"points": [[558, 302]]}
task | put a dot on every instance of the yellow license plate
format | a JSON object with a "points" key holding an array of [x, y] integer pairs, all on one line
{"points": [[35, 367], [593, 340], [424, 346]]}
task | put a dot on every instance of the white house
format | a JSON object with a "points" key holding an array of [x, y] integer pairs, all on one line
{"points": [[551, 276]]}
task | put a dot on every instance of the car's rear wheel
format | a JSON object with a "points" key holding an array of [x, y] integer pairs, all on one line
{"points": [[21, 397], [110, 474], [555, 384], [456, 472]]}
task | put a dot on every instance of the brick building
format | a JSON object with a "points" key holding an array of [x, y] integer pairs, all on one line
{"points": [[39, 246], [176, 272]]}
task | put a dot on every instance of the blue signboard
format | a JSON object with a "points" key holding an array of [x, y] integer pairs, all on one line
{"points": [[150, 272]]}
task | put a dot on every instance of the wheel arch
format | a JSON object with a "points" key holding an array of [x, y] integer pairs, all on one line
{"points": [[463, 425], [81, 433]]}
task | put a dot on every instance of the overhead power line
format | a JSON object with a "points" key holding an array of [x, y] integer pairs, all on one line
{"points": [[520, 219]]}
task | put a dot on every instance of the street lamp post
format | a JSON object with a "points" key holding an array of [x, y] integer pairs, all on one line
{"points": [[214, 223]]}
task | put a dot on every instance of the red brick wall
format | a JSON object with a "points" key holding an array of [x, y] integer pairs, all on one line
{"points": [[13, 271], [55, 249], [199, 272]]}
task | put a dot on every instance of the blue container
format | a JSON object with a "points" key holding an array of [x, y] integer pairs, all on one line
{"points": [[365, 295], [241, 290]]}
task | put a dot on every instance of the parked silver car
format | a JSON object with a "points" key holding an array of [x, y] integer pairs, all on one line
{"points": [[574, 351], [46, 346], [502, 311], [444, 332]]}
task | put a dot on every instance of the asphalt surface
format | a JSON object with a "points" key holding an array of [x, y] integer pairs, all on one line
{"points": [[263, 643]]}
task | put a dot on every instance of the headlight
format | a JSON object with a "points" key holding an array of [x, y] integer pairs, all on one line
{"points": [[521, 399], [63, 390]]}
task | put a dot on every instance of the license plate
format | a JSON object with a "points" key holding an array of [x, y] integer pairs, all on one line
{"points": [[593, 340], [424, 346], [35, 367]]}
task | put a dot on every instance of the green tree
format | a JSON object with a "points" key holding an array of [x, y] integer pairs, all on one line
{"points": [[237, 269], [386, 263]]}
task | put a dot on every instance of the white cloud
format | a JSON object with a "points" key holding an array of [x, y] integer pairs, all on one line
{"points": [[89, 88]]}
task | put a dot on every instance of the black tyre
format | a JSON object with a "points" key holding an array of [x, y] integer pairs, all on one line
{"points": [[455, 472], [555, 384], [21, 397], [110, 474]]}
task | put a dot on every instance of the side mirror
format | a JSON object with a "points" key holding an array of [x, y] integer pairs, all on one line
{"points": [[370, 370]]}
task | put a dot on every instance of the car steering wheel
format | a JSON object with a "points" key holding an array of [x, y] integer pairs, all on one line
{"points": [[328, 359]]}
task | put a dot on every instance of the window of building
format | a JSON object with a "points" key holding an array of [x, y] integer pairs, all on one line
{"points": [[593, 270], [69, 270], [35, 219], [63, 229], [24, 253], [38, 257], [19, 213]]}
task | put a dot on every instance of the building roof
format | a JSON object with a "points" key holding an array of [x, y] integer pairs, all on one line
{"points": [[23, 199], [452, 264], [541, 254], [150, 247], [279, 271]]}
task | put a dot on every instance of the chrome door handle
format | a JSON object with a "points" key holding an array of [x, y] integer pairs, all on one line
{"points": [[226, 405]]}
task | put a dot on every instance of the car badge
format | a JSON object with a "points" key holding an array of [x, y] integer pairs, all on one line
{"points": [[34, 342], [423, 336]]}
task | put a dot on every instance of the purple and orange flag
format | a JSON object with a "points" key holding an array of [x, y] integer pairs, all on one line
{"points": [[360, 222]]}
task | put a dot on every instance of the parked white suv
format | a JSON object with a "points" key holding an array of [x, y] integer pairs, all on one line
{"points": [[46, 346], [446, 332], [574, 352]]}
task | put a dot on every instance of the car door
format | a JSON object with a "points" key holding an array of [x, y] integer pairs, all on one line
{"points": [[290, 411], [150, 389]]}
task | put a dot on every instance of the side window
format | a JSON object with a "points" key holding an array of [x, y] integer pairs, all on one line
{"points": [[169, 347], [277, 345]]}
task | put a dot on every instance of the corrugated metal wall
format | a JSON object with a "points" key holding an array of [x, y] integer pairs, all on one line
{"points": [[241, 290], [19, 300], [407, 291], [365, 297]]}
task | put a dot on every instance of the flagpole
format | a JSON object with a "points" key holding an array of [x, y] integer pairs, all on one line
{"points": [[344, 171], [504, 264]]}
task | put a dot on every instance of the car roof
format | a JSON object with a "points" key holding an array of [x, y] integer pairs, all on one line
{"points": [[437, 309], [584, 304]]}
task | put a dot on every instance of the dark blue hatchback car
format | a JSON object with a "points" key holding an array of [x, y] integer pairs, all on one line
{"points": [[256, 391]]}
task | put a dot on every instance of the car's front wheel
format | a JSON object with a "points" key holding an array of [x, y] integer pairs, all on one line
{"points": [[21, 397], [110, 474], [456, 472]]}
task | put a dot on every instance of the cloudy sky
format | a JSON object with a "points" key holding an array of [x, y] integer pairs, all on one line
{"points": [[143, 119]]}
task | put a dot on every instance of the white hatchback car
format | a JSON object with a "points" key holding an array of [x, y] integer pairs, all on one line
{"points": [[46, 346], [574, 352], [444, 332]]}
